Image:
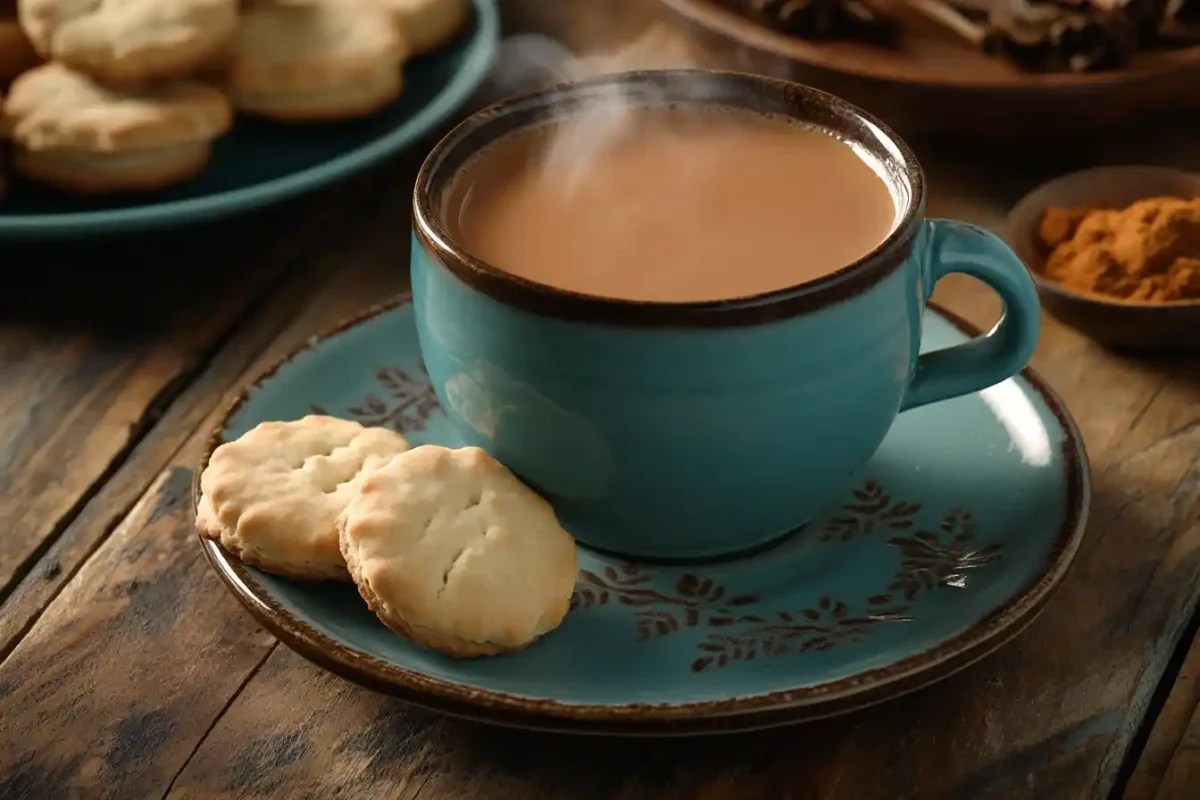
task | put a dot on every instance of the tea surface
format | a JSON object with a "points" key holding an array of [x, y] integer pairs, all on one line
{"points": [[670, 205]]}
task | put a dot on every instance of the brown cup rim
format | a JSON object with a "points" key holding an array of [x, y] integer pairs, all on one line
{"points": [[684, 86]]}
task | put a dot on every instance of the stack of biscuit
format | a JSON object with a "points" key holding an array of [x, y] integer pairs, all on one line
{"points": [[446, 546], [128, 95]]}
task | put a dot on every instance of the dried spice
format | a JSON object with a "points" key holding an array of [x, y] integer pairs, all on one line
{"points": [[1035, 35], [822, 20], [1148, 252], [1042, 37]]}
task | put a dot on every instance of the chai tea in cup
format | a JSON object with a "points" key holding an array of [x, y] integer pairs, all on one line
{"points": [[686, 306], [670, 204]]}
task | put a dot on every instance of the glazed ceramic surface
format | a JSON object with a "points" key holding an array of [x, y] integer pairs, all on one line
{"points": [[259, 162], [684, 430], [953, 538]]}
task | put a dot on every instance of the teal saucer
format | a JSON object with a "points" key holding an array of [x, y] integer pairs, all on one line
{"points": [[260, 163], [964, 523]]}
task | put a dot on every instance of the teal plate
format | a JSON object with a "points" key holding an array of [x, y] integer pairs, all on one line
{"points": [[965, 522], [259, 163]]}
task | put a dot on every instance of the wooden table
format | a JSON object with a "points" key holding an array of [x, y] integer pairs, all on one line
{"points": [[127, 670]]}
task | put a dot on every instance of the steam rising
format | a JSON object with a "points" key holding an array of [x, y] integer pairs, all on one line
{"points": [[527, 62], [591, 160]]}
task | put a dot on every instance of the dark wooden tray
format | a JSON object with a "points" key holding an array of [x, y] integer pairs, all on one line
{"points": [[931, 83]]}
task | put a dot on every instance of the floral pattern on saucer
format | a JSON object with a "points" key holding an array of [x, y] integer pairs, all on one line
{"points": [[739, 628], [964, 523]]}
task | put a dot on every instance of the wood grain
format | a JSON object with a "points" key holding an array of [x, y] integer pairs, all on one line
{"points": [[119, 679], [1169, 767], [101, 510], [121, 676], [91, 353]]}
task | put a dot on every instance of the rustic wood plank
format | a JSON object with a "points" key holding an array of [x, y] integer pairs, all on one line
{"points": [[104, 700], [1182, 778], [118, 680], [92, 348], [1169, 767], [102, 511], [1049, 716]]}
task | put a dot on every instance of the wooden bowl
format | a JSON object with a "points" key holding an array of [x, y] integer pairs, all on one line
{"points": [[1120, 324], [932, 83]]}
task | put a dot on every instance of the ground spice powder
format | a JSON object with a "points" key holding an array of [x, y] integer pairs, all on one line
{"points": [[1148, 252]]}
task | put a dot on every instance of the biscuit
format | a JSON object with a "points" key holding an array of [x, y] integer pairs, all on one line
{"points": [[75, 134], [428, 24], [273, 496], [88, 173], [130, 41], [16, 53], [315, 60], [453, 552]]}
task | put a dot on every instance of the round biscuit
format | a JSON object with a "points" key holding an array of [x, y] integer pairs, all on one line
{"points": [[130, 41], [428, 24], [315, 60], [272, 497], [54, 107], [364, 98], [453, 552]]}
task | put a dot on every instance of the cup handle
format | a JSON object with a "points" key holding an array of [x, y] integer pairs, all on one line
{"points": [[1005, 350]]}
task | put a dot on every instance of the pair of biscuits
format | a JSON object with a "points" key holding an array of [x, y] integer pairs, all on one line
{"points": [[446, 546], [114, 113], [107, 115], [73, 133]]}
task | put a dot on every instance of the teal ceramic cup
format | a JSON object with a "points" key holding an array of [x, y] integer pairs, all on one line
{"points": [[699, 429]]}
